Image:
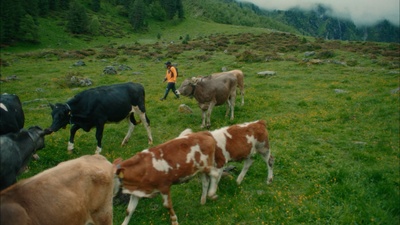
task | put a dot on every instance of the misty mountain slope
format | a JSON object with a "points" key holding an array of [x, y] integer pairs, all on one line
{"points": [[316, 22]]}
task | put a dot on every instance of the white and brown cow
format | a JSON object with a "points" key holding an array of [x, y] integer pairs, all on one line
{"points": [[210, 92], [154, 170], [240, 80], [78, 191], [241, 142]]}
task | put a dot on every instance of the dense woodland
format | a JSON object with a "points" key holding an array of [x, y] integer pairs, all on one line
{"points": [[19, 18]]}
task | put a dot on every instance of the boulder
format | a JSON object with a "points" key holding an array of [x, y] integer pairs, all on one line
{"points": [[110, 70], [79, 63]]}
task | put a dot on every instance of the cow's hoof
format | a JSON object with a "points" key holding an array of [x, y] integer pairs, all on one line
{"points": [[70, 151], [214, 197], [123, 143], [98, 150], [35, 157]]}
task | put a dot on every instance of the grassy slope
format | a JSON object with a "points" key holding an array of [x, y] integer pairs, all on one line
{"points": [[337, 154]]}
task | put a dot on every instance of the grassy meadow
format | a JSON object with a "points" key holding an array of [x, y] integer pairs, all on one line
{"points": [[333, 119]]}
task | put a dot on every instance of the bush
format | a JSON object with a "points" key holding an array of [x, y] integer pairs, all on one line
{"points": [[249, 56], [325, 54]]}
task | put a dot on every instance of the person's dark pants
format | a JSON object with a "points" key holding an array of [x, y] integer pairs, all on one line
{"points": [[170, 86]]}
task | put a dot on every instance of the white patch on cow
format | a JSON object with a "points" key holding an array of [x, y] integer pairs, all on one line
{"points": [[160, 164], [139, 193], [135, 109], [3, 107], [191, 156], [253, 141], [221, 135]]}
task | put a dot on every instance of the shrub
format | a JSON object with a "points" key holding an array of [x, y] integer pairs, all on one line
{"points": [[325, 54], [352, 62], [249, 56]]}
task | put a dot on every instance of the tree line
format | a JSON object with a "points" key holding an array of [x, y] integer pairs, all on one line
{"points": [[19, 18]]}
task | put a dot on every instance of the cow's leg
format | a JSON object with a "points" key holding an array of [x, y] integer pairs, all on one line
{"points": [[99, 136], [232, 100], [213, 175], [246, 166], [208, 115], [132, 123], [228, 107], [242, 93], [205, 183], [73, 130], [168, 204], [146, 123], [131, 208], [269, 161], [203, 118]]}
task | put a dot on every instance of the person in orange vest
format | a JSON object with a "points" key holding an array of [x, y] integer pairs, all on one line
{"points": [[170, 77]]}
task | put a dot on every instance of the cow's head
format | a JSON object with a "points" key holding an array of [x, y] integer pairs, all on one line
{"points": [[37, 135], [61, 114], [187, 87]]}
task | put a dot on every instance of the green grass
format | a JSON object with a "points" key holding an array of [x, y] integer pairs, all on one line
{"points": [[337, 154]]}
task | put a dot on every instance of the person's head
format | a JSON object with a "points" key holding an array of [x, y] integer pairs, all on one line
{"points": [[168, 64]]}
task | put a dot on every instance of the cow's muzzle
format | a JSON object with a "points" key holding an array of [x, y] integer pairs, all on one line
{"points": [[48, 131]]}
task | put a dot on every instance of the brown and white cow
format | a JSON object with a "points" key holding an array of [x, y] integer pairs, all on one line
{"points": [[240, 80], [76, 192], [154, 170], [241, 142], [210, 92]]}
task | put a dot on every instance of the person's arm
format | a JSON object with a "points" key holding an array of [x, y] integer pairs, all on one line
{"points": [[173, 71]]}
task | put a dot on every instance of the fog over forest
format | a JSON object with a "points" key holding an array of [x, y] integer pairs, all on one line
{"points": [[361, 12]]}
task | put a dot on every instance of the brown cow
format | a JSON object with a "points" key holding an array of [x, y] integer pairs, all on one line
{"points": [[154, 170], [210, 92], [240, 80], [76, 192], [241, 142]]}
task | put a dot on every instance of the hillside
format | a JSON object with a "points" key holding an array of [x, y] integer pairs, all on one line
{"points": [[35, 25], [316, 23]]}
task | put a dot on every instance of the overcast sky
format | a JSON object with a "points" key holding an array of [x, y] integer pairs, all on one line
{"points": [[361, 12]]}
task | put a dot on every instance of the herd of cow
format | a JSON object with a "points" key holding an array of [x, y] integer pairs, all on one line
{"points": [[80, 191]]}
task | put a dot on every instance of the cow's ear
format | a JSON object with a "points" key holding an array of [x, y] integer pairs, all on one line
{"points": [[120, 173], [194, 80], [52, 106]]}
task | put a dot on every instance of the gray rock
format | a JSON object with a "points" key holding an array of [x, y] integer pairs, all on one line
{"points": [[266, 73], [110, 70], [79, 63]]}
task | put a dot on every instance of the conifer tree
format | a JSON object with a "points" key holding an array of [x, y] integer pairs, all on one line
{"points": [[95, 5], [137, 15], [78, 20], [28, 29]]}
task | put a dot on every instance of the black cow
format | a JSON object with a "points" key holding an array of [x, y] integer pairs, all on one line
{"points": [[12, 117], [16, 149], [97, 106]]}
